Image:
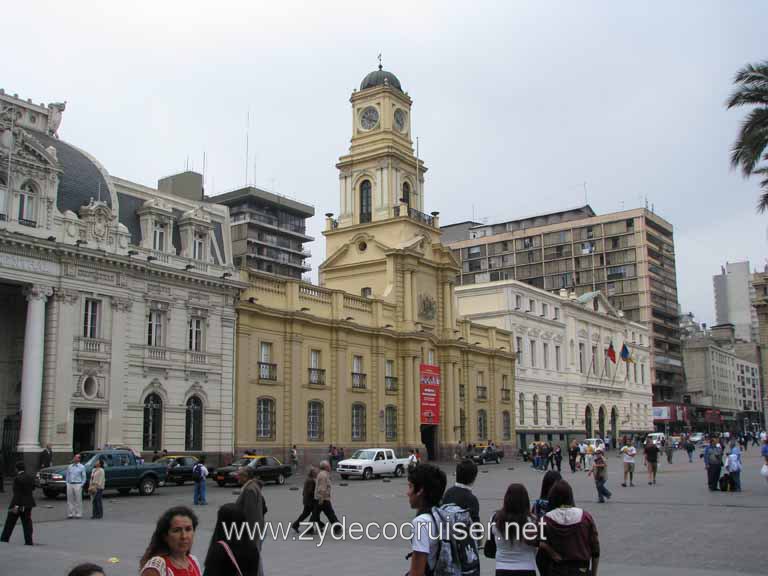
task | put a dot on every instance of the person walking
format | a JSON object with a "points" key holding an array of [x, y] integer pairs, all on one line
{"points": [[713, 462], [573, 454], [46, 457], [628, 453], [308, 500], [669, 449], [96, 489], [169, 550], [75, 478], [461, 492], [514, 552], [200, 475], [590, 455], [227, 554], [251, 502], [20, 506], [323, 496], [733, 465], [651, 458], [558, 458], [294, 457], [599, 472], [583, 455], [690, 448], [569, 535]]}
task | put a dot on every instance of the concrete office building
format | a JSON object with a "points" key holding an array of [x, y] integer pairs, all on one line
{"points": [[628, 256], [734, 295], [268, 231]]}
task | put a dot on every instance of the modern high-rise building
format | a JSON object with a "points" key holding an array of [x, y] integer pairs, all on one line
{"points": [[629, 256], [733, 300], [269, 231]]}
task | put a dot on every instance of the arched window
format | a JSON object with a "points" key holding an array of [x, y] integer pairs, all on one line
{"points": [[365, 201], [265, 418], [315, 420], [407, 194], [27, 200], [548, 409], [153, 422], [535, 409], [482, 425], [358, 421], [521, 408], [390, 422], [506, 425], [560, 410], [193, 436]]}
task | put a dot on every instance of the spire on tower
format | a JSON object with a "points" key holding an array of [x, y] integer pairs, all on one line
{"points": [[380, 66]]}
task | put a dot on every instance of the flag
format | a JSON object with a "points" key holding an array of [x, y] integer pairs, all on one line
{"points": [[625, 354], [611, 353]]}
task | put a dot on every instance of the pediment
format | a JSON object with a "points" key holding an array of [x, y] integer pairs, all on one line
{"points": [[360, 245]]}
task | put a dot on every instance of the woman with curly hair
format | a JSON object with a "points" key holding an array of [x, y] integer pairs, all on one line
{"points": [[168, 553]]}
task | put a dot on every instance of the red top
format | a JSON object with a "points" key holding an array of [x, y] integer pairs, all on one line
{"points": [[166, 567]]}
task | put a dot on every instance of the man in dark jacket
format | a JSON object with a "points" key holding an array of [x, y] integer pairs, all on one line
{"points": [[461, 492], [46, 457], [21, 505], [309, 501]]}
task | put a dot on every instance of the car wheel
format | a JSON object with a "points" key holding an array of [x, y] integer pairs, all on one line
{"points": [[221, 484], [124, 491], [367, 474], [280, 479], [147, 486], [398, 472], [52, 494], [344, 476]]}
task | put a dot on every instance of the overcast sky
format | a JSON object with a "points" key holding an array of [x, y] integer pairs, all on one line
{"points": [[517, 104]]}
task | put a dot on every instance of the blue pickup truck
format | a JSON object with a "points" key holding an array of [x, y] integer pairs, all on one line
{"points": [[121, 472]]}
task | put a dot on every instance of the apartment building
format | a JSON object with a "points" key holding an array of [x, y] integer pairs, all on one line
{"points": [[628, 256], [268, 231], [734, 295]]}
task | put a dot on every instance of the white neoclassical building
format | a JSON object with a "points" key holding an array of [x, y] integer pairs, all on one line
{"points": [[566, 384], [117, 301]]}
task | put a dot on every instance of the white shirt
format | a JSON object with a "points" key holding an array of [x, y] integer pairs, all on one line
{"points": [[203, 470], [412, 458], [425, 537], [513, 554], [629, 454]]}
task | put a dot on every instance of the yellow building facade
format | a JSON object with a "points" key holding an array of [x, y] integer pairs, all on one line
{"points": [[342, 363]]}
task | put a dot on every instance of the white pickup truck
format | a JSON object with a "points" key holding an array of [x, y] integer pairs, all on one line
{"points": [[371, 462]]}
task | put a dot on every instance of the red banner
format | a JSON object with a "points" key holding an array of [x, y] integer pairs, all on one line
{"points": [[429, 377]]}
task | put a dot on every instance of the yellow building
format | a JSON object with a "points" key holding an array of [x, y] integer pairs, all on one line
{"points": [[342, 363]]}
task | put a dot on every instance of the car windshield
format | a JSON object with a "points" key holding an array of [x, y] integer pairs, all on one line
{"points": [[86, 457], [242, 462], [364, 455]]}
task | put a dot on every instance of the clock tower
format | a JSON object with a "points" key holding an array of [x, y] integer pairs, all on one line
{"points": [[382, 244]]}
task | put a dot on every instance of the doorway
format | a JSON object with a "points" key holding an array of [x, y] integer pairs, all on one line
{"points": [[429, 439], [84, 430]]}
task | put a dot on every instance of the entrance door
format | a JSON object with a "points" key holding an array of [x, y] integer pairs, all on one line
{"points": [[84, 430], [588, 421], [429, 439]]}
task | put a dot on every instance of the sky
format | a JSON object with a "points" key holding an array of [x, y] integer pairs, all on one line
{"points": [[520, 107]]}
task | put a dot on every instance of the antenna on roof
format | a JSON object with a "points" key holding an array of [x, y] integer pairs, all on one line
{"points": [[247, 129], [380, 66], [585, 194]]}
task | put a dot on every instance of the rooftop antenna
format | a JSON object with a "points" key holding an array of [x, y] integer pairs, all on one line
{"points": [[380, 66], [203, 170], [247, 130], [585, 194]]}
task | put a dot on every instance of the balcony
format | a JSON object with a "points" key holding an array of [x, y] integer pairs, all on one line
{"points": [[196, 358], [156, 353], [317, 377], [390, 384], [268, 371], [30, 223], [482, 393], [358, 381], [504, 395], [92, 346], [414, 214]]}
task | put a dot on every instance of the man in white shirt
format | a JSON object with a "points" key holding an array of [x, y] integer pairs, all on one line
{"points": [[75, 478], [199, 475], [629, 452]]}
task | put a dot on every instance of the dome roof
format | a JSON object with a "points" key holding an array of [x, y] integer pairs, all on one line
{"points": [[378, 77]]}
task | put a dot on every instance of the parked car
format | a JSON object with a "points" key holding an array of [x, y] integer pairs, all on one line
{"points": [[484, 454], [121, 473], [696, 437], [180, 468], [595, 443], [370, 462], [657, 437], [268, 469]]}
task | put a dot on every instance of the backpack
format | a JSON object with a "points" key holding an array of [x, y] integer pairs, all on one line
{"points": [[457, 554], [197, 472], [715, 456]]}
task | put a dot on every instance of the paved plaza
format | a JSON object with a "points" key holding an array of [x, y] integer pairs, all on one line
{"points": [[677, 527]]}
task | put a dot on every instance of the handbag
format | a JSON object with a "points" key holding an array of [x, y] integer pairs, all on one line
{"points": [[231, 556], [489, 548]]}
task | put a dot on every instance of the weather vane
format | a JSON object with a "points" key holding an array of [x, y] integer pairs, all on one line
{"points": [[380, 66]]}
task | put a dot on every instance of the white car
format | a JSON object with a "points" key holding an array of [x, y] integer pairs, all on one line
{"points": [[696, 437], [595, 443], [370, 462], [657, 437]]}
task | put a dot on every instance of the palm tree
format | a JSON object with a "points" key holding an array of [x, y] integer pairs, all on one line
{"points": [[751, 146]]}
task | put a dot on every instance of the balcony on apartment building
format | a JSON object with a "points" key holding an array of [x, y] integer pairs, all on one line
{"points": [[267, 372], [247, 215]]}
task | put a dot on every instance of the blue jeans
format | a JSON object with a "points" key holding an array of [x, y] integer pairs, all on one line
{"points": [[602, 491], [200, 492], [98, 508], [736, 477]]}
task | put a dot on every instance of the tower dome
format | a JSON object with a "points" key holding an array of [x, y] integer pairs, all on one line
{"points": [[379, 78]]}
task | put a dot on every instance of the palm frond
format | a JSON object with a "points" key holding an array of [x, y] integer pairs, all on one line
{"points": [[752, 74], [762, 204], [751, 142], [748, 97]]}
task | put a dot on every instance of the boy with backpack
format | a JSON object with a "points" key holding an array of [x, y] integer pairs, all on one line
{"points": [[438, 547], [199, 474]]}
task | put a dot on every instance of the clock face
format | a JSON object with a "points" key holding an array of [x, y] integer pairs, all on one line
{"points": [[369, 118], [400, 120]]}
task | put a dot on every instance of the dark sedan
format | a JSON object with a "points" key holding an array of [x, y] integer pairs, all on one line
{"points": [[180, 468], [483, 454], [268, 469]]}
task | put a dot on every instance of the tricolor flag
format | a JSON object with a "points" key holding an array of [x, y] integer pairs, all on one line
{"points": [[625, 354], [611, 353]]}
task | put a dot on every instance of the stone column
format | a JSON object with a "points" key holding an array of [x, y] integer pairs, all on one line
{"points": [[32, 369], [408, 296]]}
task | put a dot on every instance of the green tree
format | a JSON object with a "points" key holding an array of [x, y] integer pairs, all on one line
{"points": [[751, 145]]}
